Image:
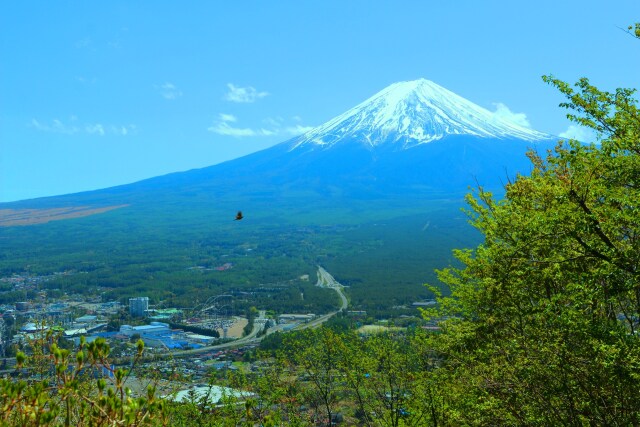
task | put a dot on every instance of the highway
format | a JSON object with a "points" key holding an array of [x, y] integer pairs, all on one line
{"points": [[326, 280]]}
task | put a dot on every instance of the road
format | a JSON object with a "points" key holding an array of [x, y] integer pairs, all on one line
{"points": [[326, 280]]}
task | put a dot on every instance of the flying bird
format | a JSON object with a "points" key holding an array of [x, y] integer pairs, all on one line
{"points": [[239, 216]]}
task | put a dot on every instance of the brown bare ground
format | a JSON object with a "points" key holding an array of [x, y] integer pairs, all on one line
{"points": [[17, 217], [235, 331]]}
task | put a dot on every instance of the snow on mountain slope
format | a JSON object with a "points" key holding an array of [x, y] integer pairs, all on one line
{"points": [[411, 113]]}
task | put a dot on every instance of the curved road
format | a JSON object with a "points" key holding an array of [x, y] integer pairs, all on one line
{"points": [[326, 280]]}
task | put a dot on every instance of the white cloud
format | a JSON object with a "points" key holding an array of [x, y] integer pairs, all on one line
{"points": [[227, 118], [243, 94], [170, 91], [504, 113], [271, 127], [223, 128], [579, 133], [83, 43], [130, 129], [122, 130], [278, 124], [96, 128], [273, 122], [58, 126], [86, 80], [298, 129]]}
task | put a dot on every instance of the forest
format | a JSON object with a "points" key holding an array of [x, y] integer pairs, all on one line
{"points": [[135, 251]]}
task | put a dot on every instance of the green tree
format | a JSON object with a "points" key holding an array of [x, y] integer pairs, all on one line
{"points": [[275, 395], [542, 321], [60, 389], [316, 354], [388, 378]]}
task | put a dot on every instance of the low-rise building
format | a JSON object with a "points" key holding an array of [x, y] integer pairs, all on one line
{"points": [[295, 317], [144, 329]]}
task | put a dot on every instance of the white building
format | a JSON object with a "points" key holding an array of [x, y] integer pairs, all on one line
{"points": [[139, 306], [153, 328], [213, 395]]}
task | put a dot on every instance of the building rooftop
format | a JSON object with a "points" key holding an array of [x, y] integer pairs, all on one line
{"points": [[213, 394]]}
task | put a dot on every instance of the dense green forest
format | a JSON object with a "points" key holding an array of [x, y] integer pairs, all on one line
{"points": [[136, 251]]}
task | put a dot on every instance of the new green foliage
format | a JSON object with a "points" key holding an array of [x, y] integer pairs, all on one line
{"points": [[543, 318], [81, 388]]}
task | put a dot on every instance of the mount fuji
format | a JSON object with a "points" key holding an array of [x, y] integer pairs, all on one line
{"points": [[412, 113], [412, 138], [373, 195]]}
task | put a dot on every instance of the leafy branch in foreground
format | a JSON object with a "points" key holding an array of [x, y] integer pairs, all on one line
{"points": [[66, 388], [542, 321]]}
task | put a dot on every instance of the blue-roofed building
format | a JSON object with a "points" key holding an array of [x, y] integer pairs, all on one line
{"points": [[144, 329]]}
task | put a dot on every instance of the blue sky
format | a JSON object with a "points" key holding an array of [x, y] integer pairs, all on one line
{"points": [[96, 94]]}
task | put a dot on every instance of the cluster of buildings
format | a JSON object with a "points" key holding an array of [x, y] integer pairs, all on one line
{"points": [[139, 307], [28, 318], [160, 335]]}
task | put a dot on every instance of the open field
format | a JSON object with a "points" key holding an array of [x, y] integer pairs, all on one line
{"points": [[235, 331], [376, 329], [14, 217]]}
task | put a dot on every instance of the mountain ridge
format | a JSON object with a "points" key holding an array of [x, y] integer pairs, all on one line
{"points": [[414, 112]]}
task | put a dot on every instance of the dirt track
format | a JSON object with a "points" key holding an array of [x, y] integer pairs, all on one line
{"points": [[17, 217]]}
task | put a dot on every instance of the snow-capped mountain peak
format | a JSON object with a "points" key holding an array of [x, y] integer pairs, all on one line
{"points": [[412, 113]]}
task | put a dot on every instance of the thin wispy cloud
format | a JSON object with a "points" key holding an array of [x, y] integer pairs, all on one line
{"points": [[83, 43], [279, 125], [243, 94], [222, 127], [169, 91], [123, 130], [272, 127], [503, 112], [579, 133], [72, 127], [227, 118], [114, 44], [86, 80], [55, 126], [297, 129], [96, 128], [274, 122]]}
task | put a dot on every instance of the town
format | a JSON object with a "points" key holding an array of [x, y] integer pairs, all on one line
{"points": [[213, 336]]}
